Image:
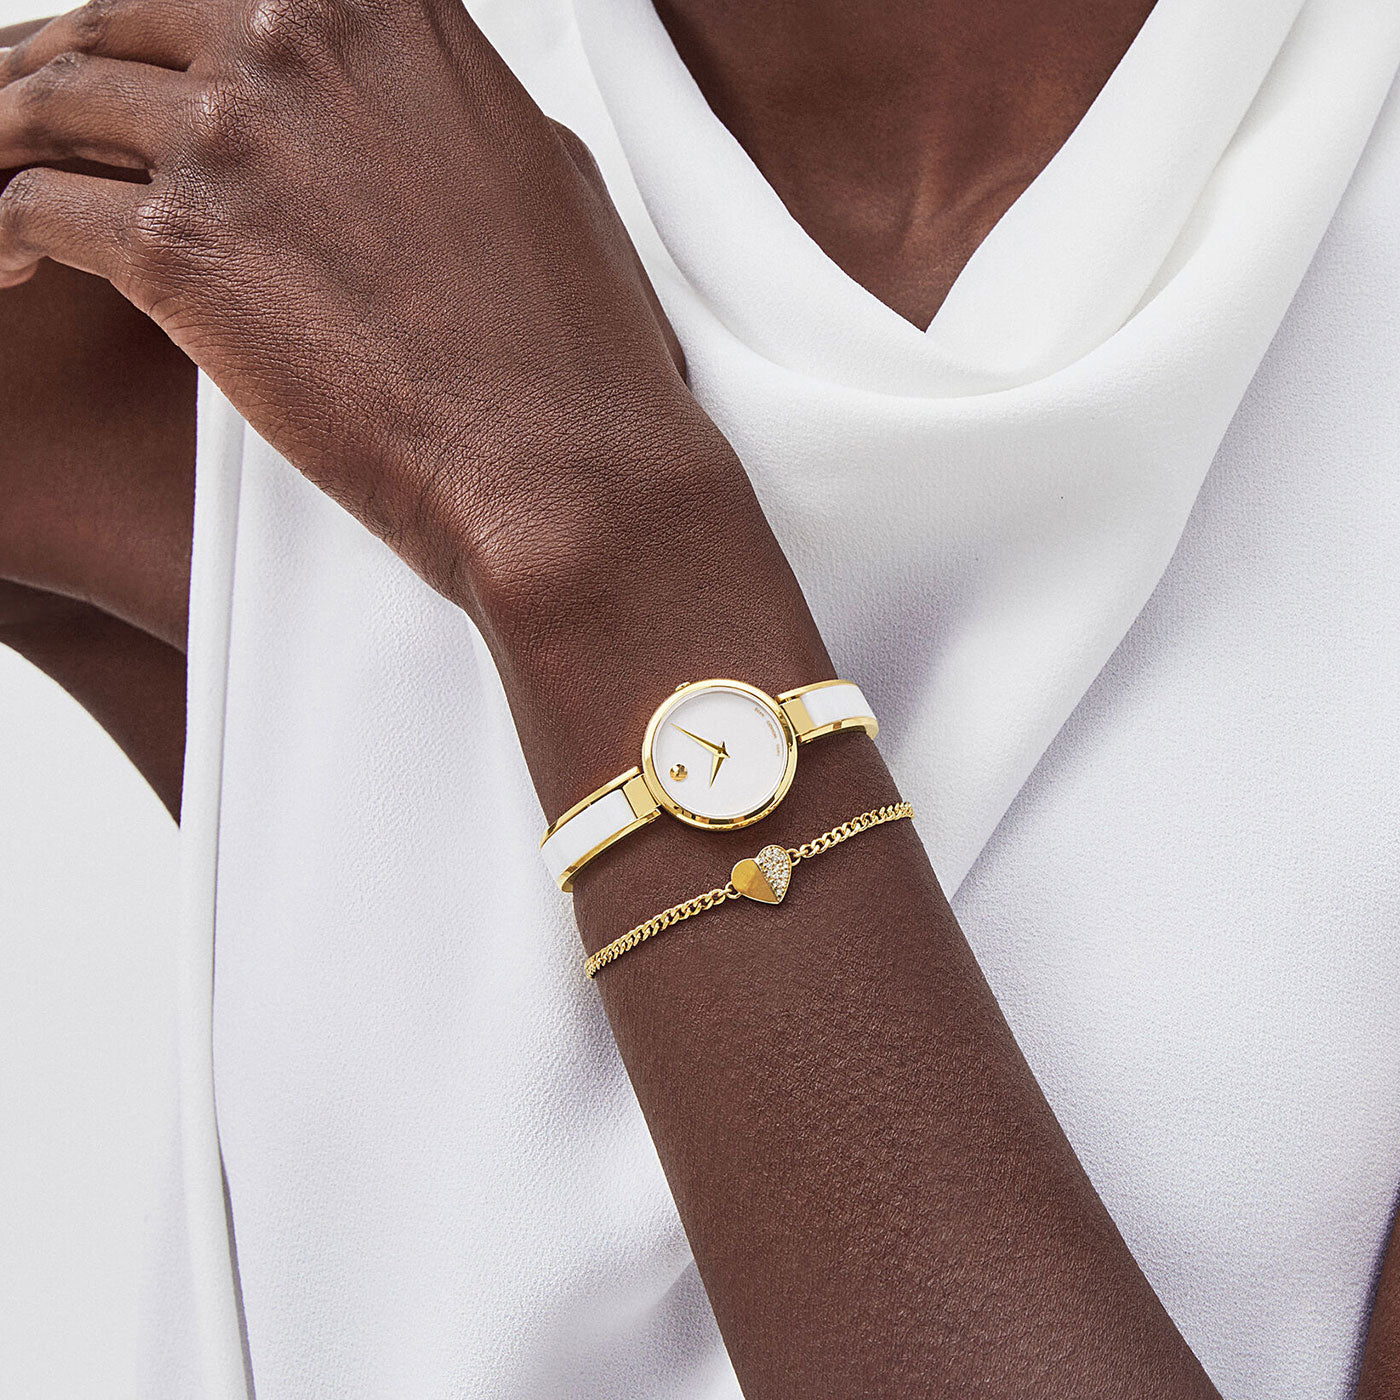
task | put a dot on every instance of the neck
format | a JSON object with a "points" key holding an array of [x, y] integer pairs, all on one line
{"points": [[898, 131]]}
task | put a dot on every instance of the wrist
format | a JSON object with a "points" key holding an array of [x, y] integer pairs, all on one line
{"points": [[585, 677], [665, 861], [637, 484], [668, 573]]}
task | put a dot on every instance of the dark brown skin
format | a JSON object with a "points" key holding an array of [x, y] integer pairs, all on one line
{"points": [[1380, 1367], [880, 1201], [129, 681], [96, 494], [897, 132]]}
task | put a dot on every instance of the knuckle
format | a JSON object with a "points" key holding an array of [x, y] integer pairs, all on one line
{"points": [[217, 122], [15, 62], [164, 228], [58, 76], [38, 100], [283, 30], [92, 22], [18, 201]]}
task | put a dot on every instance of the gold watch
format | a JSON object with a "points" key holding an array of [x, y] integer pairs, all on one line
{"points": [[717, 754]]}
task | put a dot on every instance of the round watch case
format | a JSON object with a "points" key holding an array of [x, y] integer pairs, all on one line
{"points": [[719, 754]]}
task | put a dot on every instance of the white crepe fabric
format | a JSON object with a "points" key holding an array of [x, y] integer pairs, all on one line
{"points": [[1162, 790]]}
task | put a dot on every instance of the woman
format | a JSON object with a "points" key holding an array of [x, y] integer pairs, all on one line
{"points": [[976, 350]]}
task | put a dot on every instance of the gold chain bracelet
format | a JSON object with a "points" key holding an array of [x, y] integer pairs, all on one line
{"points": [[764, 877]]}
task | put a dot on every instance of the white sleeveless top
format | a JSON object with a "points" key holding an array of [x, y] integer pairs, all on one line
{"points": [[1157, 770]]}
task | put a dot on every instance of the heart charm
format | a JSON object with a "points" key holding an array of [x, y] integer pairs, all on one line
{"points": [[766, 877]]}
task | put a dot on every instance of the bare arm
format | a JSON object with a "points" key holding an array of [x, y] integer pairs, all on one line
{"points": [[878, 1195], [96, 490], [1380, 1368], [129, 681], [879, 1199]]}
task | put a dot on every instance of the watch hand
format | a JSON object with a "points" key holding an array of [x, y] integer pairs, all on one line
{"points": [[713, 748], [721, 754]]}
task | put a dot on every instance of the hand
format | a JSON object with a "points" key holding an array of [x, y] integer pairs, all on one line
{"points": [[413, 285], [351, 215]]}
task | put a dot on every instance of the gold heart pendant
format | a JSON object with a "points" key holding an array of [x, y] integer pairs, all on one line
{"points": [[765, 877]]}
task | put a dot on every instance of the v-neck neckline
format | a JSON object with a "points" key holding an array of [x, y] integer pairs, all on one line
{"points": [[1030, 300]]}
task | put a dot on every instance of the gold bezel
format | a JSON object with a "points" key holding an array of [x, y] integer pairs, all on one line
{"points": [[653, 781]]}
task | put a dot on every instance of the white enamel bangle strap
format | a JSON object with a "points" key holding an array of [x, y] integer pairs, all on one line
{"points": [[589, 827]]}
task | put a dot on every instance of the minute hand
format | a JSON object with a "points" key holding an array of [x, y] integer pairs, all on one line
{"points": [[713, 747], [719, 751]]}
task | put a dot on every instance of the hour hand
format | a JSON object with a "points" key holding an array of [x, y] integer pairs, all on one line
{"points": [[718, 750], [721, 754]]}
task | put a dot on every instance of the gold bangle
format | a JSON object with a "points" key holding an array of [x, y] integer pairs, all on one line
{"points": [[764, 877]]}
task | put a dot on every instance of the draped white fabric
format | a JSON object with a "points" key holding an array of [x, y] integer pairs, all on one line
{"points": [[439, 1181]]}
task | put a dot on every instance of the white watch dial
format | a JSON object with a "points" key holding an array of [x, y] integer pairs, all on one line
{"points": [[720, 752]]}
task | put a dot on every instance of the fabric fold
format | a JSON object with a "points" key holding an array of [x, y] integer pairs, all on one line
{"points": [[418, 1097], [1017, 476]]}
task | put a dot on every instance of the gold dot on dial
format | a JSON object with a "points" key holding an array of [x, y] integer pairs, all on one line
{"points": [[679, 772]]}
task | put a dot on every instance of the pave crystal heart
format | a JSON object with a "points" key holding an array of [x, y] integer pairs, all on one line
{"points": [[765, 877]]}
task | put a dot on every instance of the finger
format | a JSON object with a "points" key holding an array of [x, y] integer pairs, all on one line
{"points": [[75, 219], [11, 34], [100, 109], [160, 32]]}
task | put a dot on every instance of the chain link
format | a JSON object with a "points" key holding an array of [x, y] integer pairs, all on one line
{"points": [[679, 913], [658, 923], [846, 830]]}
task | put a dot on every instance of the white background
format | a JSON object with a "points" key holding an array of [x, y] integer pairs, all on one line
{"points": [[87, 863]]}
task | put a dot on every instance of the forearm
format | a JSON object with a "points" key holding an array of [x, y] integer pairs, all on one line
{"points": [[439, 319], [1380, 1368], [96, 507], [97, 409], [131, 683], [877, 1194]]}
